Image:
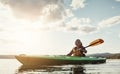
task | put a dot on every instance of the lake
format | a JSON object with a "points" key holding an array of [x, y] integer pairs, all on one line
{"points": [[12, 66]]}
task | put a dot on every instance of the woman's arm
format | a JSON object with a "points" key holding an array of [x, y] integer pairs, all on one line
{"points": [[84, 50], [70, 53]]}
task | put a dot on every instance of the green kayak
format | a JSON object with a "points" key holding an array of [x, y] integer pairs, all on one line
{"points": [[57, 60]]}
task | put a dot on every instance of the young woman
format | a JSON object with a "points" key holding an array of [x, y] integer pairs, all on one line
{"points": [[78, 50]]}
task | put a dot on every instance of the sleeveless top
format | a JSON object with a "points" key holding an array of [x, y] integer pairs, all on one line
{"points": [[78, 51]]}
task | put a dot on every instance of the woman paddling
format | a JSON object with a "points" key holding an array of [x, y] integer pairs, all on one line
{"points": [[78, 50]]}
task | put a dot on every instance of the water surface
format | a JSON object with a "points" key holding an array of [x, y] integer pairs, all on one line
{"points": [[12, 66]]}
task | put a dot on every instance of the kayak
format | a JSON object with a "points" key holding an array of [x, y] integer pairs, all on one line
{"points": [[57, 60]]}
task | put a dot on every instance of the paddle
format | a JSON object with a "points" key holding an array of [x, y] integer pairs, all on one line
{"points": [[95, 42]]}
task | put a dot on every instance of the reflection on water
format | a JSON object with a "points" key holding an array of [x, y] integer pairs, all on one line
{"points": [[110, 67], [12, 66], [76, 69]]}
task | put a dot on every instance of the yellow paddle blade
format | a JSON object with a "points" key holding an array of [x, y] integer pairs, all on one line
{"points": [[96, 42]]}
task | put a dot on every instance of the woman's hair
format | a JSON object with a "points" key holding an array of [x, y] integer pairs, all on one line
{"points": [[78, 40]]}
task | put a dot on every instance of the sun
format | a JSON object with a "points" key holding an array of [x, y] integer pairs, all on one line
{"points": [[29, 41]]}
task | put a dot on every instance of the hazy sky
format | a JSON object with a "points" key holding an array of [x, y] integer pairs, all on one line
{"points": [[52, 26]]}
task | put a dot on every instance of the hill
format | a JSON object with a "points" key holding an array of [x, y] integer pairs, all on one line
{"points": [[107, 55], [7, 56], [114, 56]]}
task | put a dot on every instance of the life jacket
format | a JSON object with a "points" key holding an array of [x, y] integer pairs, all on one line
{"points": [[77, 52]]}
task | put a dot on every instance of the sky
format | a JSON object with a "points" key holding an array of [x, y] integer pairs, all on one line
{"points": [[50, 27]]}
